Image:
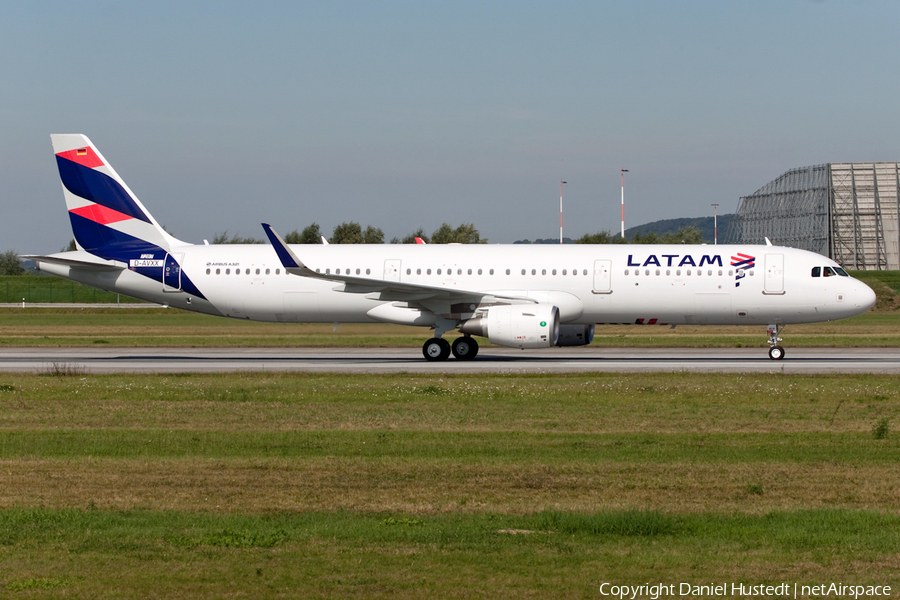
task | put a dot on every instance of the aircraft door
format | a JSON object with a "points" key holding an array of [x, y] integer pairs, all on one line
{"points": [[172, 273], [392, 269], [603, 276], [774, 283]]}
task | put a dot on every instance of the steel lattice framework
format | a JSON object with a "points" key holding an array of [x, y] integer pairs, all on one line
{"points": [[846, 211]]}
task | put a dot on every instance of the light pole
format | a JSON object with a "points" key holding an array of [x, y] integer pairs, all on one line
{"points": [[623, 171], [561, 184], [715, 224]]}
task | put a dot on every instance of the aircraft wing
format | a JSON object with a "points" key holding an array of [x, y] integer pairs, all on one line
{"points": [[78, 259], [387, 290]]}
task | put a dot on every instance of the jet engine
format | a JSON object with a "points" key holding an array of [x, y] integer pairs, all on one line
{"points": [[575, 335], [517, 326]]}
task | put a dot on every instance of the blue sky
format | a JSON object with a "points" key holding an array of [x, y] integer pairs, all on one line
{"points": [[222, 115]]}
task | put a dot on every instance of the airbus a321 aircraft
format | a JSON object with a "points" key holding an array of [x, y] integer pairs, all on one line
{"points": [[521, 296]]}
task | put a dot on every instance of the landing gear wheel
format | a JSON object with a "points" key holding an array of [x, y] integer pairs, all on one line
{"points": [[776, 352], [464, 348], [436, 349]]}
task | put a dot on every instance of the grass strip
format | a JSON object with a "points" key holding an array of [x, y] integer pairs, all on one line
{"points": [[482, 448], [378, 555]]}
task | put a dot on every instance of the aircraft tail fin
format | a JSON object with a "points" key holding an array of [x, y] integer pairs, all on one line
{"points": [[107, 218]]}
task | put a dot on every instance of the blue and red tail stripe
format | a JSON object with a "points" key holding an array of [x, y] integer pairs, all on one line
{"points": [[86, 182]]}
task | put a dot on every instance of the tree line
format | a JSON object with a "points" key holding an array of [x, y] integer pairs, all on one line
{"points": [[353, 233]]}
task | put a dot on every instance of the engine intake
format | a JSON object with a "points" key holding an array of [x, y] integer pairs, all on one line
{"points": [[517, 326]]}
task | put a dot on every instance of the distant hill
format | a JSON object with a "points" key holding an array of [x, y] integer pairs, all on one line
{"points": [[704, 224]]}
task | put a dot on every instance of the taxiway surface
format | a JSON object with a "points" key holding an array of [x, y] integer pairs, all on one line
{"points": [[490, 360]]}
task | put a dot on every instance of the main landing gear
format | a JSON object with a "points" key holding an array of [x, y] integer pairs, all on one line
{"points": [[464, 348], [776, 352]]}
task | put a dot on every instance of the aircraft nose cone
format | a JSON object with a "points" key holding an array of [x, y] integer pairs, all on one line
{"points": [[865, 296]]}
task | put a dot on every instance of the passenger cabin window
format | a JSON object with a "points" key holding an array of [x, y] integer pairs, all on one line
{"points": [[817, 271]]}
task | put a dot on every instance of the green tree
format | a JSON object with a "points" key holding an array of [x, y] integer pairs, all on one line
{"points": [[373, 235], [347, 233], [310, 235], [411, 238], [464, 234], [647, 238], [602, 237], [222, 238], [10, 263]]}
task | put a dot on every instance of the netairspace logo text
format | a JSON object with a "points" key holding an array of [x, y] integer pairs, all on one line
{"points": [[655, 591]]}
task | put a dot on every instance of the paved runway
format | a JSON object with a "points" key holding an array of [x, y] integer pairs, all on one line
{"points": [[490, 360]]}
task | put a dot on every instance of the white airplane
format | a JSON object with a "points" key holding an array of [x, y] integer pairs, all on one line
{"points": [[520, 296]]}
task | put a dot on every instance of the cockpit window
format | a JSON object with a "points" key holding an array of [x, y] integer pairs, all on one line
{"points": [[817, 271], [841, 272], [829, 272]]}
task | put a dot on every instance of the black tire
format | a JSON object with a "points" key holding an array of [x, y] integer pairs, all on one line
{"points": [[464, 348], [436, 349], [776, 352]]}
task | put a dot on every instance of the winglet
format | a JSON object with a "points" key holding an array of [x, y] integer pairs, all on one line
{"points": [[288, 259]]}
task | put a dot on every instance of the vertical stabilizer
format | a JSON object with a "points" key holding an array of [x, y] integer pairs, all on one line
{"points": [[107, 219]]}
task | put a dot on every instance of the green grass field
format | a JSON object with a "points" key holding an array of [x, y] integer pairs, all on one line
{"points": [[334, 486], [403, 486], [38, 288]]}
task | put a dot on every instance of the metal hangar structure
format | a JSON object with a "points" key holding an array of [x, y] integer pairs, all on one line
{"points": [[846, 211]]}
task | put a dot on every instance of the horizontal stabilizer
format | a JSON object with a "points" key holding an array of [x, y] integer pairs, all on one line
{"points": [[77, 260]]}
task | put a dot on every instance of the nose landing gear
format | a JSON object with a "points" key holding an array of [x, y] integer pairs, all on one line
{"points": [[776, 352]]}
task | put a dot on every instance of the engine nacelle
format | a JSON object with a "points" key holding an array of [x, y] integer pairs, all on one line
{"points": [[517, 326], [575, 335]]}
